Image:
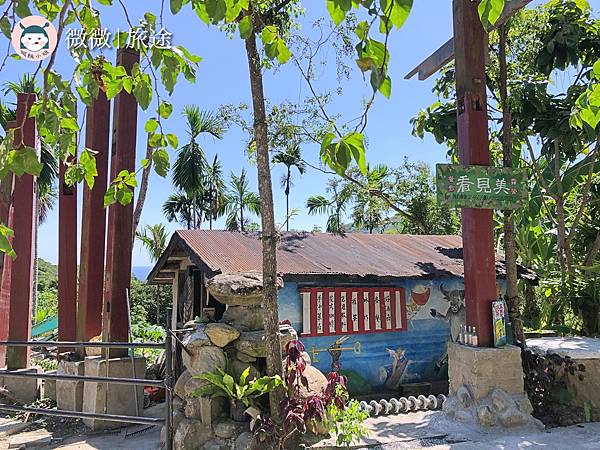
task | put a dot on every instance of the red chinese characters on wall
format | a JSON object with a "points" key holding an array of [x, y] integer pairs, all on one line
{"points": [[343, 310]]}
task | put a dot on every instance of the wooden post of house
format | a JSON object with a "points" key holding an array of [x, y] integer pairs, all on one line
{"points": [[17, 274], [67, 258], [6, 188], [120, 217], [470, 48], [93, 225]]}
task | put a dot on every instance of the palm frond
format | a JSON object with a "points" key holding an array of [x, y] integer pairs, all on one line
{"points": [[154, 239], [200, 122], [24, 85], [6, 115], [49, 172], [317, 204]]}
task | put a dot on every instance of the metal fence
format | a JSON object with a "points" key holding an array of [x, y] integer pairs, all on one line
{"points": [[167, 382]]}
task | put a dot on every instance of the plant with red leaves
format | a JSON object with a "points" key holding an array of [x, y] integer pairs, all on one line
{"points": [[302, 413]]}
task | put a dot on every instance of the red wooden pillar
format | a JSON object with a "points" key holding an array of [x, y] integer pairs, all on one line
{"points": [[6, 188], [120, 217], [67, 259], [93, 225], [17, 274], [470, 47]]}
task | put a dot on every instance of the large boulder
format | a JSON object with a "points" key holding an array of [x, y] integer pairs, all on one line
{"points": [[191, 434], [237, 367], [204, 359], [317, 382], [244, 318], [196, 339], [252, 343], [238, 289], [192, 385], [206, 409], [228, 429], [221, 334], [180, 384], [244, 357]]}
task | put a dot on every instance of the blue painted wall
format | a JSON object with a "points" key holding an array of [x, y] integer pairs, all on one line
{"points": [[378, 362]]}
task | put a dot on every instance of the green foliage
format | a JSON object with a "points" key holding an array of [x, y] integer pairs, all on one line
{"points": [[338, 154], [5, 244], [556, 41], [47, 291], [144, 332], [247, 391], [121, 189], [410, 187], [149, 303], [490, 11], [347, 423], [154, 238], [240, 200]]}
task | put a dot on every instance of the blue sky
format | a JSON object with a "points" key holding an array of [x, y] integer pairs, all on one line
{"points": [[223, 79]]}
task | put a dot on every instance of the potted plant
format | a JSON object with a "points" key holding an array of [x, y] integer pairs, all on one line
{"points": [[242, 395]]}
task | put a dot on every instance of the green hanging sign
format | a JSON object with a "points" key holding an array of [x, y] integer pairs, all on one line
{"points": [[481, 186]]}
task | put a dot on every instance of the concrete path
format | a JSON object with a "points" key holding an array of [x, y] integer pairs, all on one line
{"points": [[148, 440], [430, 430]]}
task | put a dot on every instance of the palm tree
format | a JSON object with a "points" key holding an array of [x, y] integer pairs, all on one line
{"points": [[189, 170], [334, 207], [215, 191], [369, 210], [240, 199], [290, 158], [180, 208], [154, 239]]}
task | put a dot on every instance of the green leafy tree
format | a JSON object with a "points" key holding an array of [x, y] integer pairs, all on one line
{"points": [[239, 201], [190, 167], [552, 132], [335, 207], [290, 158], [180, 208], [215, 195]]}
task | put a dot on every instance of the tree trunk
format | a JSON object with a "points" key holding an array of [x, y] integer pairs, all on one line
{"points": [[139, 204], [510, 252], [269, 234], [242, 214], [287, 199]]}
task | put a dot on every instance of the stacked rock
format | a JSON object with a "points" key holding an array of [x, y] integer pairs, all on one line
{"points": [[233, 344]]}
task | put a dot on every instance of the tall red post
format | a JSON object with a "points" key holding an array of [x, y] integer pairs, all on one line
{"points": [[470, 47], [6, 188], [67, 258], [93, 226], [17, 274], [120, 217]]}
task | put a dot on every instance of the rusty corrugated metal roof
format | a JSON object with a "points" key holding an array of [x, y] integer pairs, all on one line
{"points": [[360, 254]]}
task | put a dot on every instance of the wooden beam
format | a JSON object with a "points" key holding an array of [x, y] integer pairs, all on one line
{"points": [[443, 55]]}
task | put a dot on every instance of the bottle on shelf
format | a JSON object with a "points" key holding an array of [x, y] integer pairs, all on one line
{"points": [[474, 338], [469, 340]]}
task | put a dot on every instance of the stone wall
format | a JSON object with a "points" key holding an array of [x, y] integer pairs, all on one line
{"points": [[233, 344]]}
